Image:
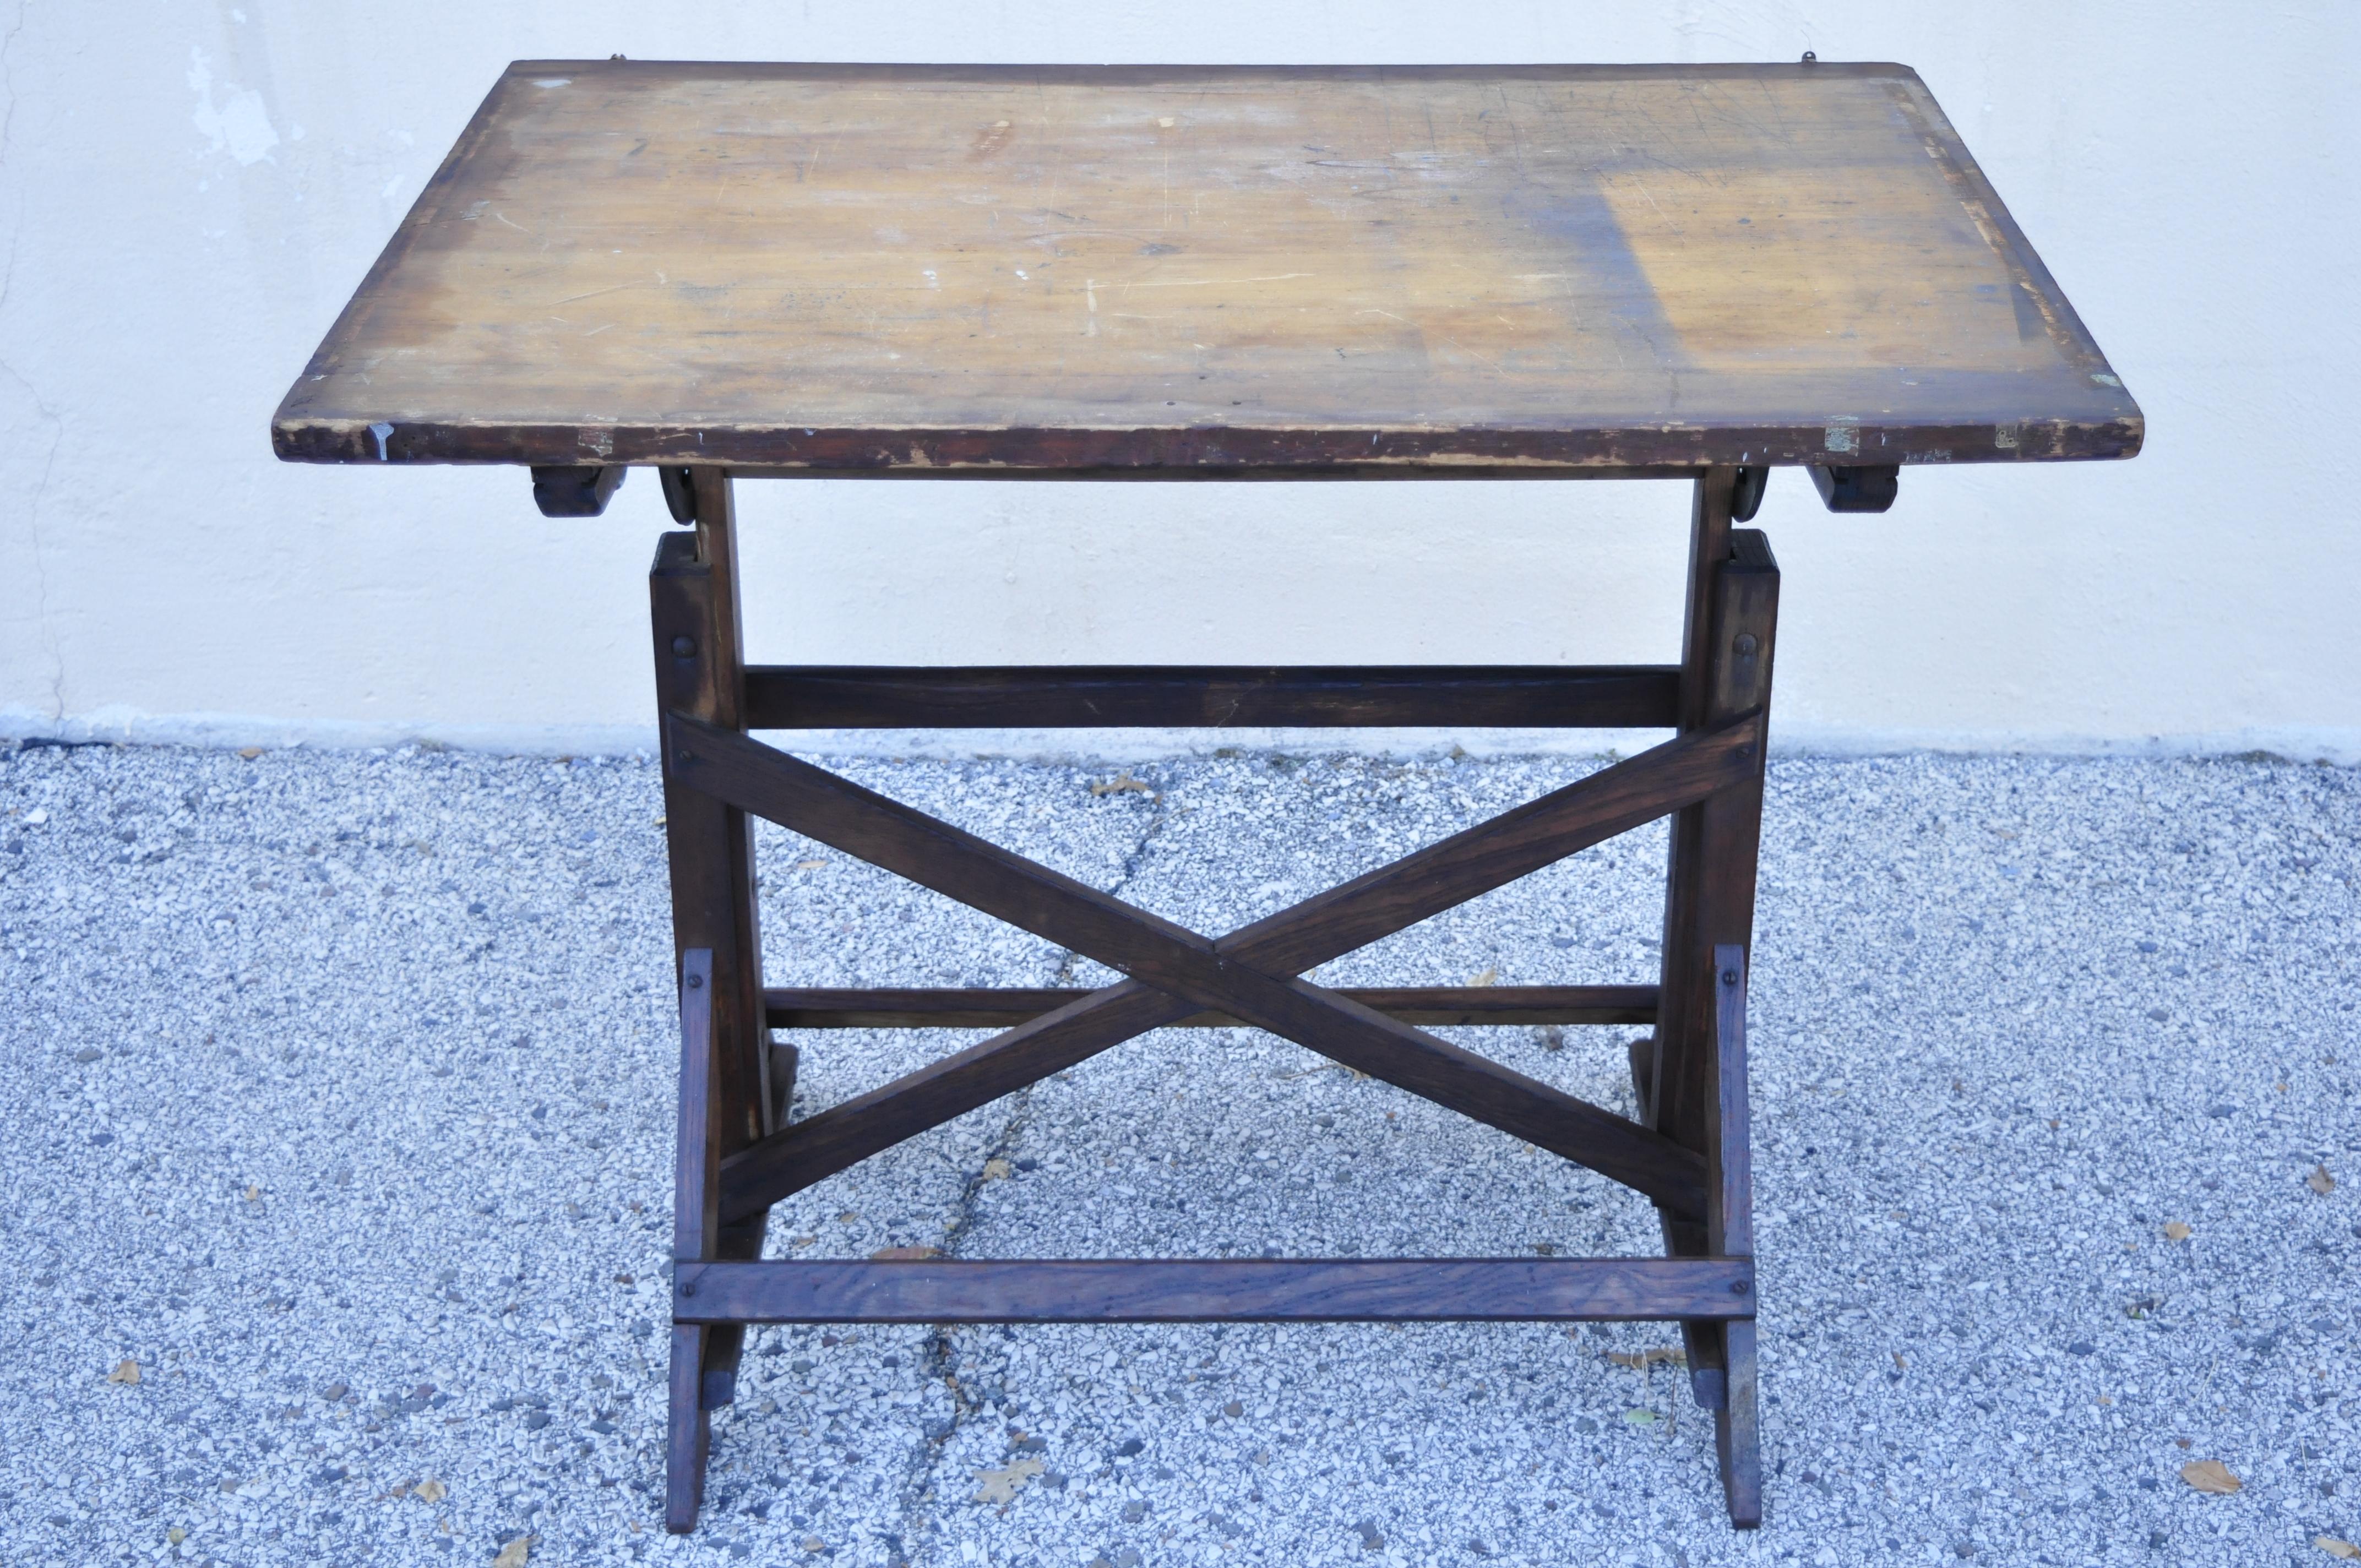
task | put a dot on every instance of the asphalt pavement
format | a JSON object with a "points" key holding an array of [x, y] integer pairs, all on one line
{"points": [[335, 1178]]}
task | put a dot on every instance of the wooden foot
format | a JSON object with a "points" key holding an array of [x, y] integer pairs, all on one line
{"points": [[1735, 1436], [687, 1432]]}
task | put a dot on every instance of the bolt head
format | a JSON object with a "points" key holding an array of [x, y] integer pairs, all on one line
{"points": [[1728, 977], [684, 647], [1738, 1287], [688, 1286], [697, 982], [1746, 645]]}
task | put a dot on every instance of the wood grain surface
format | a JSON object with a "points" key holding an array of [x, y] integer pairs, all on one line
{"points": [[1186, 1290], [1463, 1006], [848, 268], [790, 697]]}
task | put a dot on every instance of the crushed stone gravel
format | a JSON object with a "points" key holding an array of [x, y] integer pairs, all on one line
{"points": [[340, 1113]]}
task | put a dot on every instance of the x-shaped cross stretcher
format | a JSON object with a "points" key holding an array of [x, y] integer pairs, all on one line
{"points": [[1253, 974]]}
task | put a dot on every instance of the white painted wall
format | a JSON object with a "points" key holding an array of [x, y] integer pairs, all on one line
{"points": [[189, 192]]}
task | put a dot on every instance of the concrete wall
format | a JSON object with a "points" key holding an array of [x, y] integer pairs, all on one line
{"points": [[188, 193]]}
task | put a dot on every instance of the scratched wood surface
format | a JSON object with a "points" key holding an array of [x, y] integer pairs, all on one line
{"points": [[897, 269]]}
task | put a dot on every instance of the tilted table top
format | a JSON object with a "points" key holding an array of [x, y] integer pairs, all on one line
{"points": [[896, 268]]}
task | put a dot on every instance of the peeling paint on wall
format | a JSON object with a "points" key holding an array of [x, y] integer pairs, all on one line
{"points": [[240, 126]]}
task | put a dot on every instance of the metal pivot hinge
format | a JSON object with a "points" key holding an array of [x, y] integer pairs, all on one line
{"points": [[1864, 488], [575, 491], [1746, 492], [1869, 487]]}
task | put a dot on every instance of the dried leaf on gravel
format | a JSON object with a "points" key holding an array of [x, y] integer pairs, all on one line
{"points": [[2211, 1476], [429, 1491], [1641, 1417], [1122, 783], [810, 865], [1001, 1486], [2174, 1231], [998, 1171], [249, 752], [2334, 1547], [126, 1371], [1491, 976], [904, 1254], [2319, 1182], [515, 1553], [1643, 1359]]}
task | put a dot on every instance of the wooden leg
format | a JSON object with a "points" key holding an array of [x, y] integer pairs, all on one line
{"points": [[1709, 901], [1701, 1343], [696, 1207], [700, 671], [1676, 1026], [1730, 1233], [1735, 1429]]}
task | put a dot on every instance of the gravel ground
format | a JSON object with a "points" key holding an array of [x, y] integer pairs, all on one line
{"points": [[334, 1204]]}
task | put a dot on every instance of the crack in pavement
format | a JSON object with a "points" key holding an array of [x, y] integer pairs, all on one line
{"points": [[937, 1354]]}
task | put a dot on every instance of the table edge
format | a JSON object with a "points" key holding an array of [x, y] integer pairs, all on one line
{"points": [[853, 452]]}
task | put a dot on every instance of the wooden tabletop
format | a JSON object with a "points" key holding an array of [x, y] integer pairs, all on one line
{"points": [[900, 268]]}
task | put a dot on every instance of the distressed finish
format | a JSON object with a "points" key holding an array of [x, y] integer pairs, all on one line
{"points": [[1255, 270]]}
